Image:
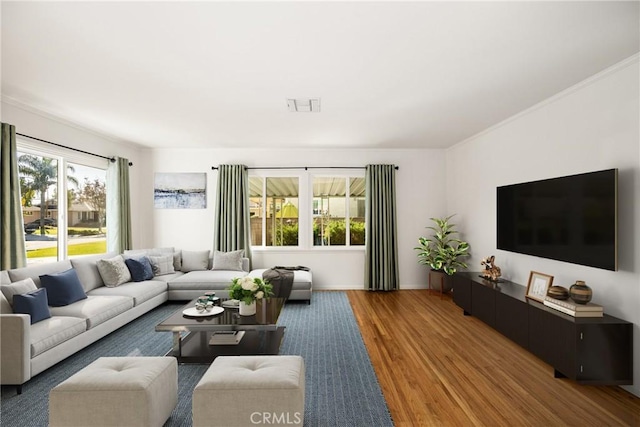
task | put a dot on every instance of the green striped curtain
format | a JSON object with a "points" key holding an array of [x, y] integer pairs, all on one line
{"points": [[381, 255], [119, 236], [232, 227], [12, 249]]}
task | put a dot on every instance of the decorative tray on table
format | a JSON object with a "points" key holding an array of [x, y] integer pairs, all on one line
{"points": [[194, 312]]}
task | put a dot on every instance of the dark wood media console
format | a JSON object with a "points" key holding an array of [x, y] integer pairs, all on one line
{"points": [[596, 351]]}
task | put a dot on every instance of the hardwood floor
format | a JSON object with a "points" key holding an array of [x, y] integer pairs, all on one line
{"points": [[437, 367]]}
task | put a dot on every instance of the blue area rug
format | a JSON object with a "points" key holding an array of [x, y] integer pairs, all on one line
{"points": [[341, 386]]}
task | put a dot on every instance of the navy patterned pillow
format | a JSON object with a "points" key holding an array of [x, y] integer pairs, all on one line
{"points": [[140, 268]]}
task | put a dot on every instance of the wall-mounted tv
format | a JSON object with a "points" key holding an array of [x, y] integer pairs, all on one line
{"points": [[572, 218]]}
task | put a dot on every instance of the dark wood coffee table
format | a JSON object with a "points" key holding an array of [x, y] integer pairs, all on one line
{"points": [[191, 335]]}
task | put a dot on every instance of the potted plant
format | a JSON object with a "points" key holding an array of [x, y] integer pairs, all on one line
{"points": [[247, 290], [442, 252]]}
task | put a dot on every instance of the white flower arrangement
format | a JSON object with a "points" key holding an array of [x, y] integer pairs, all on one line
{"points": [[248, 289]]}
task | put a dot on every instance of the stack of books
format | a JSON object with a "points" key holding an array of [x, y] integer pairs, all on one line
{"points": [[573, 309], [226, 338]]}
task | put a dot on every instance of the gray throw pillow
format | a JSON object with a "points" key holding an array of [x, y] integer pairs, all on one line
{"points": [[162, 264], [195, 260], [114, 271], [228, 260], [18, 288]]}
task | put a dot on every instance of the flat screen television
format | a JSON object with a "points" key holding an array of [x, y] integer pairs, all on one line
{"points": [[571, 219]]}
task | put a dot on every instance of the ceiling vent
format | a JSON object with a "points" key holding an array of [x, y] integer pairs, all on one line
{"points": [[304, 105]]}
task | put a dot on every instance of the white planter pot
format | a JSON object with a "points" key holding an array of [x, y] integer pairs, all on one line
{"points": [[247, 309]]}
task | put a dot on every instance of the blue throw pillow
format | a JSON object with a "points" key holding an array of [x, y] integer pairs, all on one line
{"points": [[63, 288], [140, 268], [34, 304]]}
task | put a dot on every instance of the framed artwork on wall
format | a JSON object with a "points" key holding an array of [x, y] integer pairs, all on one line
{"points": [[180, 191], [538, 285]]}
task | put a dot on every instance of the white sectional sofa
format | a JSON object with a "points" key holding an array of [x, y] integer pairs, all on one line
{"points": [[28, 349]]}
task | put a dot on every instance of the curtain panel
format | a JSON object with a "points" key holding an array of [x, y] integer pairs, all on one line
{"points": [[118, 206], [12, 246], [232, 226], [381, 247]]}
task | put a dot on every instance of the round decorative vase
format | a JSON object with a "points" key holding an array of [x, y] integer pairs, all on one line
{"points": [[247, 309], [558, 292], [580, 293]]}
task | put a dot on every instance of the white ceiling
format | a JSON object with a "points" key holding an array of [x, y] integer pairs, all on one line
{"points": [[389, 74]]}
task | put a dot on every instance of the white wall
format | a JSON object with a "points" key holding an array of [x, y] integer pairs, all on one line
{"points": [[590, 127], [420, 195], [42, 126]]}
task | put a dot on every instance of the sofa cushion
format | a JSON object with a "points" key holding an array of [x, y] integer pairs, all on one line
{"points": [[205, 280], [114, 271], [166, 278], [139, 291], [228, 260], [37, 270], [95, 309], [4, 277], [195, 260], [87, 268], [162, 264], [50, 332], [63, 288], [17, 288], [140, 268], [33, 303]]}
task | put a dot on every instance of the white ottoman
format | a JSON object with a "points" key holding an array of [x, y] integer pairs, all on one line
{"points": [[117, 391], [250, 390]]}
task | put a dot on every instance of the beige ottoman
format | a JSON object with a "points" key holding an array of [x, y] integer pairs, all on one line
{"points": [[117, 391], [250, 390]]}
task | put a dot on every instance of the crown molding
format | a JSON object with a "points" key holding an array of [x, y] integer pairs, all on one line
{"points": [[632, 60], [51, 115]]}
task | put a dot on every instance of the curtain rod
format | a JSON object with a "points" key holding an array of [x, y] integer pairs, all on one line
{"points": [[111, 159], [307, 167]]}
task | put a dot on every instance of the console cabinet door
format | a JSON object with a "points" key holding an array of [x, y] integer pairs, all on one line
{"points": [[483, 303], [553, 339], [604, 353], [512, 319], [462, 292]]}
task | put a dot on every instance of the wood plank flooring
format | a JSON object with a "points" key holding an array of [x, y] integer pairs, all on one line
{"points": [[437, 367]]}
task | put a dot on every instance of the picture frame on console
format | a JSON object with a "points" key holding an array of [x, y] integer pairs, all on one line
{"points": [[538, 285]]}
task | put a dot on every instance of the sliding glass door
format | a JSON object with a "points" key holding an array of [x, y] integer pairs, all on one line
{"points": [[63, 207]]}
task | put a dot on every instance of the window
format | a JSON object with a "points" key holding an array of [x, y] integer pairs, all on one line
{"points": [[307, 211], [63, 217], [338, 211], [274, 211]]}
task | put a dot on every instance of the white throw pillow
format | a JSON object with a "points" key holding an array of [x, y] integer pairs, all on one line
{"points": [[162, 264], [195, 260], [114, 271], [18, 288], [230, 261]]}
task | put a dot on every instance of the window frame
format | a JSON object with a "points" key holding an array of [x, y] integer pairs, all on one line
{"points": [[63, 158], [305, 203]]}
